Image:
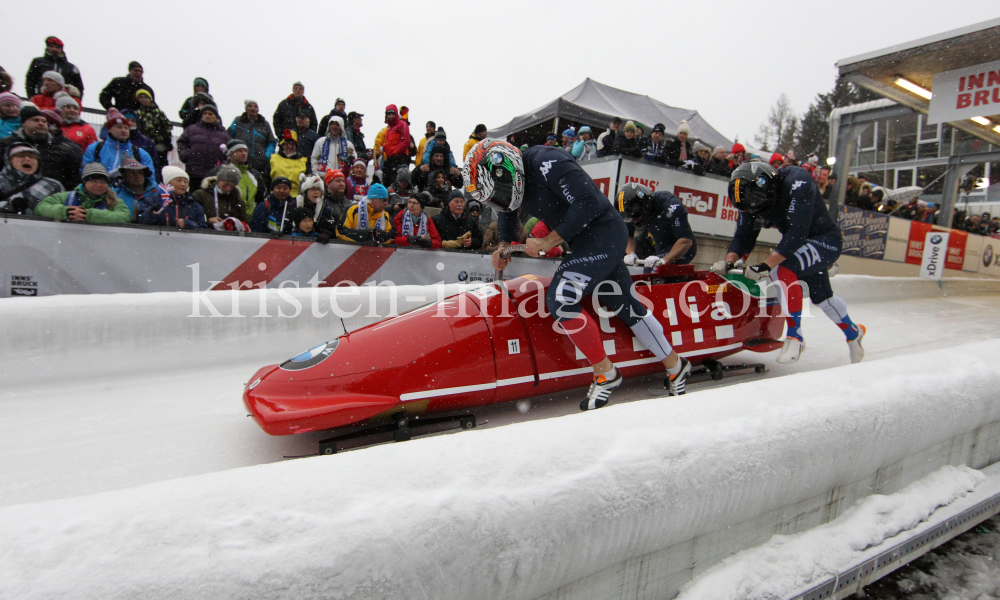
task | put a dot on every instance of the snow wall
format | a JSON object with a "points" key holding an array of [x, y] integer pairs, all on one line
{"points": [[626, 502]]}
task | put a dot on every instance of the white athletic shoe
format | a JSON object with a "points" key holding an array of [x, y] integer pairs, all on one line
{"points": [[790, 351], [676, 383], [600, 390], [857, 352]]}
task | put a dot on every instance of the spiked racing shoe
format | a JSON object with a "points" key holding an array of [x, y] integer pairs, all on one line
{"points": [[675, 383], [857, 352], [600, 390], [790, 351]]}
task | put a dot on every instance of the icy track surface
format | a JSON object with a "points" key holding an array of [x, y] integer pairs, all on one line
{"points": [[85, 408]]}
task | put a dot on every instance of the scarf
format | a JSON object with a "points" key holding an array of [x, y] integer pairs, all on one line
{"points": [[363, 210], [684, 153], [408, 225], [324, 156]]}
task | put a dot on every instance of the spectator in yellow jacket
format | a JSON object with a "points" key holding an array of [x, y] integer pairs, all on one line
{"points": [[478, 135], [378, 227], [287, 162], [429, 135]]}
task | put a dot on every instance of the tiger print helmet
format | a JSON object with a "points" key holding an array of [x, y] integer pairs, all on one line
{"points": [[494, 173]]}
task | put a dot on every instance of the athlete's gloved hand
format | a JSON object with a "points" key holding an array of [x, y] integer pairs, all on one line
{"points": [[630, 259], [832, 271], [739, 264], [653, 261], [721, 267], [757, 272]]}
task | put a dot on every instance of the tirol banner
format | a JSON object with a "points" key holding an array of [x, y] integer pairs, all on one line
{"points": [[864, 232], [934, 253]]}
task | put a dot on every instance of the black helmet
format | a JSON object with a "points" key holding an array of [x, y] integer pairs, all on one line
{"points": [[753, 187], [635, 203]]}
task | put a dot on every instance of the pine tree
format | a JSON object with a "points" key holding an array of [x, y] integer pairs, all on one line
{"points": [[814, 133], [779, 131]]}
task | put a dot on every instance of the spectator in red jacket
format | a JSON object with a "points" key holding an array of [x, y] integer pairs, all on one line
{"points": [[52, 84], [397, 145], [737, 157], [73, 127], [413, 227]]}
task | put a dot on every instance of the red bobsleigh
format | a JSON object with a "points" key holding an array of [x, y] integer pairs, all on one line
{"points": [[493, 345]]}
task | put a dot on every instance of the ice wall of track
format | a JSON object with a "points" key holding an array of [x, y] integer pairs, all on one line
{"points": [[625, 502], [122, 331]]}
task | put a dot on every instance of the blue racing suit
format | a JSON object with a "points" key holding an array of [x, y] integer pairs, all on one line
{"points": [[811, 241], [667, 224], [561, 194]]}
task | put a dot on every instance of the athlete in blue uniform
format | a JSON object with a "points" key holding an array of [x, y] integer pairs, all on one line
{"points": [[663, 216], [788, 199], [548, 183]]}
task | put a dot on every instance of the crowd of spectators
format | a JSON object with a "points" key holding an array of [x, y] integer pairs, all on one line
{"points": [[304, 177]]}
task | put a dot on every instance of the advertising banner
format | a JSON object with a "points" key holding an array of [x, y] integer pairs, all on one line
{"points": [[865, 233], [965, 93], [989, 262], [604, 174], [918, 238], [934, 251]]}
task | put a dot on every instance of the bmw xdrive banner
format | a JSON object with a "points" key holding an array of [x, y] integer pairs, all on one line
{"points": [[935, 254]]}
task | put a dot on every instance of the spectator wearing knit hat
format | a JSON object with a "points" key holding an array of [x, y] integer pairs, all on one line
{"points": [[284, 115], [153, 124], [413, 226], [738, 156], [397, 144], [10, 114], [719, 163], [220, 196], [568, 138], [358, 181], [585, 147], [135, 136], [74, 128], [655, 146], [92, 201], [180, 210], [367, 221], [627, 143], [478, 135], [252, 184], [202, 146], [54, 59], [458, 230], [60, 157], [679, 149], [310, 201], [440, 139], [191, 104], [354, 122], [120, 91], [52, 84], [273, 215], [137, 188], [253, 130], [423, 176], [111, 151], [429, 130], [335, 204], [22, 187]]}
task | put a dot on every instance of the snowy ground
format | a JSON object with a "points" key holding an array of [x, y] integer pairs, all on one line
{"points": [[175, 411], [89, 420]]}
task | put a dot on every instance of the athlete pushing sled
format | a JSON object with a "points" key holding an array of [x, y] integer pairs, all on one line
{"points": [[788, 199], [548, 183]]}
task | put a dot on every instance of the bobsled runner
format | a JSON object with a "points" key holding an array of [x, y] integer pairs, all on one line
{"points": [[494, 344]]}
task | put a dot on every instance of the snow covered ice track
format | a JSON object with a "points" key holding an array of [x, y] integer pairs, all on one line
{"points": [[163, 402]]}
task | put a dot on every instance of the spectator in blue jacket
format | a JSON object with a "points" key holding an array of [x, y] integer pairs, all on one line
{"points": [[10, 114], [110, 152], [585, 147], [181, 210], [440, 138], [274, 215], [135, 136], [137, 188], [253, 130]]}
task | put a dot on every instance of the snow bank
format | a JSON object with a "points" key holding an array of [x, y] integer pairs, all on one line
{"points": [[866, 288], [513, 512], [787, 563]]}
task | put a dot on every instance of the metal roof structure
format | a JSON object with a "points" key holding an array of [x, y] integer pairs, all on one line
{"points": [[919, 60]]}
